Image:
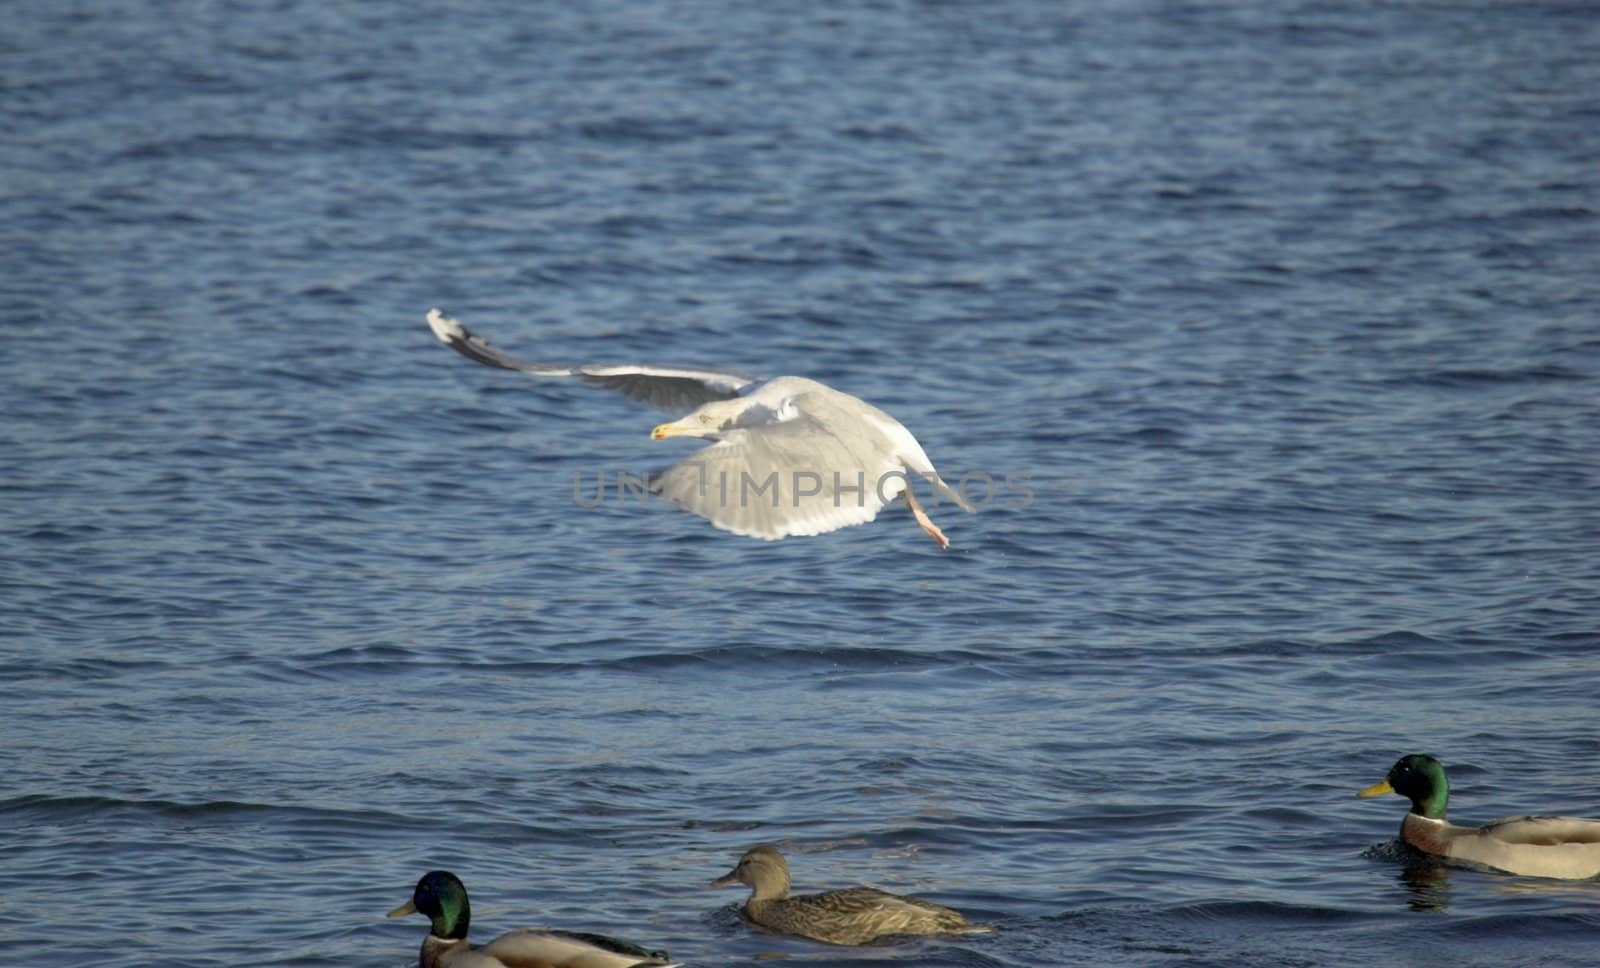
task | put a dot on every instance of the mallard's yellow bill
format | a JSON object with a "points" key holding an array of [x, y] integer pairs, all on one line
{"points": [[1376, 790], [410, 907]]}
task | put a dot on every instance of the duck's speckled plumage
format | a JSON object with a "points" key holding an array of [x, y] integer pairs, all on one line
{"points": [[1565, 847], [852, 916], [443, 898]]}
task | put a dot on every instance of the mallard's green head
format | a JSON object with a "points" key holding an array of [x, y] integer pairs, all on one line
{"points": [[1419, 779], [441, 896]]}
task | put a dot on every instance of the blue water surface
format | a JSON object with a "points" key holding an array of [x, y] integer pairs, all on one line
{"points": [[1274, 326]]}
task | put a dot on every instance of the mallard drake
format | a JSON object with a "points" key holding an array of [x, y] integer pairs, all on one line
{"points": [[442, 897], [1535, 846], [854, 915]]}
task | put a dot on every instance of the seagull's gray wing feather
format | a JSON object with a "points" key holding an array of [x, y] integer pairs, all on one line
{"points": [[675, 389]]}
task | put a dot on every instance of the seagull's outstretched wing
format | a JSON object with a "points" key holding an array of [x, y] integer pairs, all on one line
{"points": [[796, 477], [675, 389]]}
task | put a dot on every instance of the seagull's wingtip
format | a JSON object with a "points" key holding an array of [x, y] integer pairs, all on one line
{"points": [[445, 328]]}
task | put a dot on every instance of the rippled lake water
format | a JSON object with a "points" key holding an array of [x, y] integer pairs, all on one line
{"points": [[1283, 316]]}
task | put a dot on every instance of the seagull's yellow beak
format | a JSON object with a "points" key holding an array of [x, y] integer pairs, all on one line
{"points": [[1376, 790], [410, 907], [663, 431]]}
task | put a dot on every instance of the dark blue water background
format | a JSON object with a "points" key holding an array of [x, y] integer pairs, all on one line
{"points": [[1289, 313]]}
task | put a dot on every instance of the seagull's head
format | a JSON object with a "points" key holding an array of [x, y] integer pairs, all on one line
{"points": [[708, 421]]}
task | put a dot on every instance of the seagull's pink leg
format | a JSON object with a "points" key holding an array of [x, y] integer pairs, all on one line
{"points": [[923, 520]]}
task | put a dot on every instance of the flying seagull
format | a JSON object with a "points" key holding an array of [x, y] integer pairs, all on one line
{"points": [[789, 456]]}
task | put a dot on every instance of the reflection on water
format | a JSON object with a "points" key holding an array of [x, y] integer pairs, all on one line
{"points": [[1583, 893], [1429, 883], [1427, 878]]}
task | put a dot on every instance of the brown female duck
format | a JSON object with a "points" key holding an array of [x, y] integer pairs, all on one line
{"points": [[854, 915]]}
